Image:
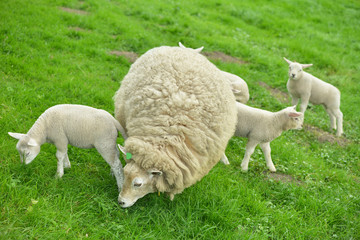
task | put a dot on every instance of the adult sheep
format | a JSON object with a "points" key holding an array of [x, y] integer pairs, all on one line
{"points": [[179, 114]]}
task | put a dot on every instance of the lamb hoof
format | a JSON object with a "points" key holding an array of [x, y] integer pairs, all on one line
{"points": [[244, 170], [58, 176]]}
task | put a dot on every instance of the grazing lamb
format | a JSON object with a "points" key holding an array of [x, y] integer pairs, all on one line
{"points": [[261, 127], [179, 115], [77, 125], [304, 86], [238, 85]]}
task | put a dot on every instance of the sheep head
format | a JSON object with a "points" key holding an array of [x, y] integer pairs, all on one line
{"points": [[296, 69], [138, 182], [27, 147], [294, 119]]}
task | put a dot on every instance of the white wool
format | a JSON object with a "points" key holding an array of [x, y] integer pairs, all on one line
{"points": [[238, 85], [308, 88], [77, 125], [261, 127], [179, 113]]}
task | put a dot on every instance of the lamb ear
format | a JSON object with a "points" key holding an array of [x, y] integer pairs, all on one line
{"points": [[306, 65], [181, 45], [122, 149], [288, 61], [32, 142], [198, 50], [16, 135], [294, 114]]}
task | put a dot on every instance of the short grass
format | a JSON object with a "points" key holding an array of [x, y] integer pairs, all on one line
{"points": [[49, 56]]}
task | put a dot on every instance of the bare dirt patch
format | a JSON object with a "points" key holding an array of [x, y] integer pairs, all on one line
{"points": [[78, 29], [276, 93], [75, 11], [282, 177], [222, 57], [323, 136], [131, 56]]}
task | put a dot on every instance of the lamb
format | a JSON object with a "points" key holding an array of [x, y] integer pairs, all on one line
{"points": [[77, 125], [304, 86], [261, 127], [238, 85], [179, 114]]}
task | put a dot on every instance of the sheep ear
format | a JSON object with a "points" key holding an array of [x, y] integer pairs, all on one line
{"points": [[294, 114], [294, 107], [32, 142], [122, 149], [306, 65], [16, 135], [288, 61], [198, 50], [235, 91], [181, 45], [155, 172]]}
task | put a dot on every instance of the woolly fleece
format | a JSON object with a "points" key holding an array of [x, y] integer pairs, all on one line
{"points": [[179, 113]]}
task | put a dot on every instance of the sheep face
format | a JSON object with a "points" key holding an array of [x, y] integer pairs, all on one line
{"points": [[138, 182], [27, 147], [295, 119], [296, 69]]}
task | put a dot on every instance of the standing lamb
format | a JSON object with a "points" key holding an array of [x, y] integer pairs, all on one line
{"points": [[179, 114], [238, 85], [304, 86], [77, 125], [261, 127]]}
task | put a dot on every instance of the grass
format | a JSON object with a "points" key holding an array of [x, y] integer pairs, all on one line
{"points": [[49, 56]]}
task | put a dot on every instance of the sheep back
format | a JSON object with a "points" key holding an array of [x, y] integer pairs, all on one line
{"points": [[179, 113]]}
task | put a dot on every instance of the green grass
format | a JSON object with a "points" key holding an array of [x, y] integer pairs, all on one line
{"points": [[49, 56]]}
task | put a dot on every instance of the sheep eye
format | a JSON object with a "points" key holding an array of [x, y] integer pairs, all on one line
{"points": [[137, 184], [296, 119]]}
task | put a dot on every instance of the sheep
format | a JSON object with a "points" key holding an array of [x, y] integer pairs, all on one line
{"points": [[179, 114], [238, 85], [304, 86], [261, 127], [77, 125]]}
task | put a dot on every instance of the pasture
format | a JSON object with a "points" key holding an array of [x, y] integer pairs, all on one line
{"points": [[70, 51]]}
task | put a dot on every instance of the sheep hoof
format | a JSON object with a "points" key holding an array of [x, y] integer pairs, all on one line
{"points": [[244, 170]]}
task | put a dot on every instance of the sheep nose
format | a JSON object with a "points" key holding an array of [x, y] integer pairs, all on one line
{"points": [[121, 203], [293, 75]]}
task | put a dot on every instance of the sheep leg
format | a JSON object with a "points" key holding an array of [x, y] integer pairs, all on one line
{"points": [[294, 100], [224, 159], [339, 118], [304, 104], [111, 156], [60, 155], [332, 118], [66, 161], [249, 150], [267, 153]]}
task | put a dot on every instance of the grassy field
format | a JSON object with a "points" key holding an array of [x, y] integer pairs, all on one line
{"points": [[69, 51]]}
